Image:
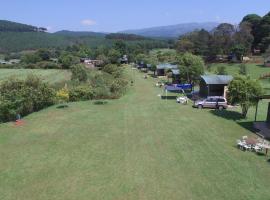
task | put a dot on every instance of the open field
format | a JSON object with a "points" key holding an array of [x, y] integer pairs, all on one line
{"points": [[50, 75], [253, 70], [138, 147]]}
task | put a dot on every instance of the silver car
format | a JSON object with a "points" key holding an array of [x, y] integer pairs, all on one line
{"points": [[212, 102]]}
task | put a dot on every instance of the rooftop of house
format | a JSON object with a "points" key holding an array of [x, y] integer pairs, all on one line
{"points": [[217, 79], [166, 66], [175, 71]]}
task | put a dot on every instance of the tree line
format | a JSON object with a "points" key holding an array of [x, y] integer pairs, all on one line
{"points": [[253, 33]]}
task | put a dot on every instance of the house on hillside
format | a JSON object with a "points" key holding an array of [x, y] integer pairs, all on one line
{"points": [[89, 63], [14, 61], [3, 62], [10, 62], [162, 68], [214, 85]]}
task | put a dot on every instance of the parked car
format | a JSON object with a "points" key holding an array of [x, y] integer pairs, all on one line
{"points": [[212, 102]]}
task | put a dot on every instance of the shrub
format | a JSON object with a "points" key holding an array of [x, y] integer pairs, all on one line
{"points": [[30, 58], [102, 92], [63, 95], [24, 97], [81, 93], [68, 60], [119, 86], [47, 65], [79, 73]]}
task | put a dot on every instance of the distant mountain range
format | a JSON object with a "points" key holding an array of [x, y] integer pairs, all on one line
{"points": [[17, 37], [172, 31]]}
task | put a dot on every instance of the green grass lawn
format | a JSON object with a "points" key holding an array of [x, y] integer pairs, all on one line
{"points": [[138, 147], [253, 70], [50, 75]]}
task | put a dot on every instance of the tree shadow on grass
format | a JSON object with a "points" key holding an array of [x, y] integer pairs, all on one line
{"points": [[100, 102], [261, 65], [227, 114], [234, 116], [169, 97], [62, 106]]}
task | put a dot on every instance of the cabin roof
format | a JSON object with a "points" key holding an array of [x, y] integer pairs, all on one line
{"points": [[166, 66], [217, 79]]}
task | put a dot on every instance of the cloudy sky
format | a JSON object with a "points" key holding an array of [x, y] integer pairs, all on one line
{"points": [[117, 15]]}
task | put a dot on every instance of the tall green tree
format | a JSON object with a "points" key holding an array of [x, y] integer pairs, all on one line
{"points": [[244, 91], [44, 54], [191, 67]]}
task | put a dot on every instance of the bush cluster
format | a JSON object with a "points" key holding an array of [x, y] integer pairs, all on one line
{"points": [[30, 95], [24, 97]]}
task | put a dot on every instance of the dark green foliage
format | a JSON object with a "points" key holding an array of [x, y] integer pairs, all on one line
{"points": [[79, 33], [252, 19], [67, 60], [8, 26], [123, 36], [44, 54], [79, 73], [244, 91], [121, 47], [260, 30], [81, 93], [239, 51], [114, 56], [115, 70], [47, 65], [24, 97], [30, 58], [191, 67]]}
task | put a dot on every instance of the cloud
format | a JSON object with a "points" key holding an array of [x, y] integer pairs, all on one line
{"points": [[88, 22], [49, 28], [218, 18]]}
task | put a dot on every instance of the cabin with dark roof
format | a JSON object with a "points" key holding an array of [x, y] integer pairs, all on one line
{"points": [[161, 68], [175, 76], [214, 85]]}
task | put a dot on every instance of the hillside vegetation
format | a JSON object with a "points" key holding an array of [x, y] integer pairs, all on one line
{"points": [[17, 37], [8, 26]]}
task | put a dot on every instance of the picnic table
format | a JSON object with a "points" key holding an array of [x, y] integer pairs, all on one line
{"points": [[252, 141]]}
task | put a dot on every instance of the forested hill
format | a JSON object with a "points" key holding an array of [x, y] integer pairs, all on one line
{"points": [[172, 31], [8, 26], [80, 33]]}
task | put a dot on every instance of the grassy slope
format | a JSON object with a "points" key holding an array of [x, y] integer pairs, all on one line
{"points": [[51, 76], [138, 147]]}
